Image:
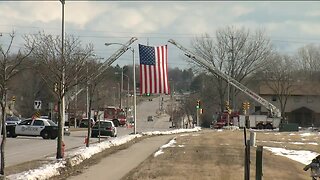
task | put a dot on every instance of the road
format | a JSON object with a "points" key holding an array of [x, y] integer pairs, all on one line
{"points": [[23, 149]]}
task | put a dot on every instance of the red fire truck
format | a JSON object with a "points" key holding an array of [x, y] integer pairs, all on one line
{"points": [[115, 114], [222, 119]]}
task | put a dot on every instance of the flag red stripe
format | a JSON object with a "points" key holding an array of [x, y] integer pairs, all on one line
{"points": [[145, 79], [155, 79], [166, 81], [149, 79], [141, 82], [159, 68], [163, 65]]}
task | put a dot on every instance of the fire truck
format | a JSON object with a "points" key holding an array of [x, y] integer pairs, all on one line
{"points": [[271, 121], [115, 114], [222, 119]]}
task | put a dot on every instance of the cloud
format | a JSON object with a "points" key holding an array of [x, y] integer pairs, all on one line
{"points": [[310, 29], [241, 10], [28, 12], [80, 13], [99, 21], [313, 13]]}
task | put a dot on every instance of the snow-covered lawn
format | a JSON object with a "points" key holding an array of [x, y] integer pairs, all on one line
{"points": [[304, 157]]}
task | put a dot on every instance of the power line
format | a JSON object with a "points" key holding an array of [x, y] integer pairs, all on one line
{"points": [[157, 35]]}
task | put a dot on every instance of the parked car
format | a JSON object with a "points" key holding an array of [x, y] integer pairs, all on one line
{"points": [[12, 120], [150, 118], [65, 128], [45, 128], [105, 127], [84, 123]]}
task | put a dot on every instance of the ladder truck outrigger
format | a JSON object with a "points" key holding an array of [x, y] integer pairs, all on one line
{"points": [[106, 65], [255, 121]]}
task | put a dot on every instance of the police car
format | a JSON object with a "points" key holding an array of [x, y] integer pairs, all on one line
{"points": [[45, 128]]}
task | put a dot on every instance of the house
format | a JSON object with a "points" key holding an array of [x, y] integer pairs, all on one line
{"points": [[303, 104]]}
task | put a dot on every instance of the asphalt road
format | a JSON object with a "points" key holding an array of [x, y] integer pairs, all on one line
{"points": [[23, 149]]}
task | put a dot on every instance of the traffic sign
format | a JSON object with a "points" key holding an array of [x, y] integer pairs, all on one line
{"points": [[37, 104]]}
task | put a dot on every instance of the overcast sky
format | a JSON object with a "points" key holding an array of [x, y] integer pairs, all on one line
{"points": [[289, 25]]}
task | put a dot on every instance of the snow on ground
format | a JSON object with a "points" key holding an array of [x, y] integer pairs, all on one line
{"points": [[76, 156], [304, 157], [171, 132], [299, 143], [170, 144]]}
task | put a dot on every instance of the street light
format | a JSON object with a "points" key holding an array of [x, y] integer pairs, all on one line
{"points": [[134, 85]]}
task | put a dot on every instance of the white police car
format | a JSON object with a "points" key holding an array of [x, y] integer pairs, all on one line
{"points": [[45, 128]]}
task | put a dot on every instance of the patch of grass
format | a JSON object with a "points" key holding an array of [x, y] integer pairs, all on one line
{"points": [[220, 156]]}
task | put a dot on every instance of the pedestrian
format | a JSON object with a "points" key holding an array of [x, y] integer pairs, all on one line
{"points": [[315, 167]]}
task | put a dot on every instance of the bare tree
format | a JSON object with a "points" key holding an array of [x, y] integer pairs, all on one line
{"points": [[309, 61], [9, 68], [52, 65], [27, 87], [176, 112], [236, 52], [279, 77], [94, 80]]}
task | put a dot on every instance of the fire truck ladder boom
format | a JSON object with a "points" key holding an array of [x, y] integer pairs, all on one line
{"points": [[109, 61], [115, 56], [274, 111]]}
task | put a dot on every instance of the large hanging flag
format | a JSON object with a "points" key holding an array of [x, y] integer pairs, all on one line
{"points": [[154, 69]]}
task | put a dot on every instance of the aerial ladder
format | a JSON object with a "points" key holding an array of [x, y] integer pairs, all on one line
{"points": [[274, 112], [108, 63]]}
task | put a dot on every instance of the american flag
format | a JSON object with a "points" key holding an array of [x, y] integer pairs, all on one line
{"points": [[154, 69]]}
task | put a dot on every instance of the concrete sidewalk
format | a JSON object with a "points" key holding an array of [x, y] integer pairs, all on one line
{"points": [[116, 165]]}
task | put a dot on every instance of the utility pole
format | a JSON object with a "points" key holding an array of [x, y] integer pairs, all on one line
{"points": [[134, 93], [232, 71], [60, 153], [121, 88]]}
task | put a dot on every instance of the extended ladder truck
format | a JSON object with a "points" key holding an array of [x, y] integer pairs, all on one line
{"points": [[256, 121], [106, 65]]}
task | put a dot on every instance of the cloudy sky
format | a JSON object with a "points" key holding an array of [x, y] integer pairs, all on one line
{"points": [[289, 25]]}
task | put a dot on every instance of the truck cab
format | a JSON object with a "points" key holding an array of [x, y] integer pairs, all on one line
{"points": [[222, 119]]}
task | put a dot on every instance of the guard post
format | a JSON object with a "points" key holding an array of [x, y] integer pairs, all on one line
{"points": [[259, 162]]}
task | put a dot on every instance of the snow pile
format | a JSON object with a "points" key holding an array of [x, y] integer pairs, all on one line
{"points": [[305, 134], [302, 156], [76, 156], [73, 157], [80, 154], [172, 131], [44, 172], [170, 144]]}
